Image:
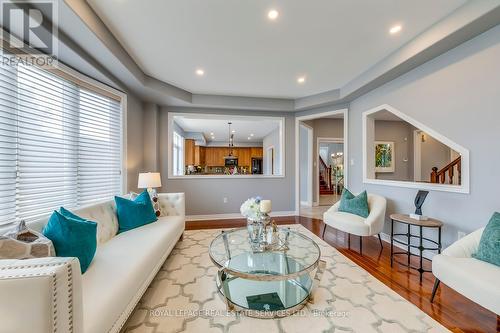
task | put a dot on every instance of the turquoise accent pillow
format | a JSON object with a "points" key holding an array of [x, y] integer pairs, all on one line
{"points": [[72, 236], [358, 205], [134, 213], [489, 245]]}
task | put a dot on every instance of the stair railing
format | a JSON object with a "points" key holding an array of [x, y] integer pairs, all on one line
{"points": [[325, 171], [439, 176]]}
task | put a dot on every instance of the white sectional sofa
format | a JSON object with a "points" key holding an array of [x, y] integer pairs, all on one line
{"points": [[473, 278], [51, 295]]}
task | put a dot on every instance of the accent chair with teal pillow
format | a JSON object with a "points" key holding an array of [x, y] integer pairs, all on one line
{"points": [[489, 245], [134, 213], [72, 236], [358, 205]]}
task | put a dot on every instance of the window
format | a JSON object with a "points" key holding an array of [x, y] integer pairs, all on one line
{"points": [[178, 154], [60, 144]]}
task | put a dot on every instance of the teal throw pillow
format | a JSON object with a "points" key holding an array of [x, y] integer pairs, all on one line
{"points": [[358, 205], [72, 236], [134, 213], [489, 245]]}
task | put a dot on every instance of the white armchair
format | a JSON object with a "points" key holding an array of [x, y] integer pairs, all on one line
{"points": [[473, 278], [357, 225]]}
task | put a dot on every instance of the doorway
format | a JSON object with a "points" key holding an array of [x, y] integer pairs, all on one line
{"points": [[330, 170], [328, 128]]}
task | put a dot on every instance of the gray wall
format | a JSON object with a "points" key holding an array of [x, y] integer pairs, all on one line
{"points": [[401, 133], [151, 161], [205, 196], [135, 141], [457, 95]]}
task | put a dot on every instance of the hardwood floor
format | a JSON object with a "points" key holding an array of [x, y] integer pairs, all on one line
{"points": [[451, 309]]}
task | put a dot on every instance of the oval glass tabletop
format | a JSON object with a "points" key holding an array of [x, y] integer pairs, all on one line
{"points": [[233, 251]]}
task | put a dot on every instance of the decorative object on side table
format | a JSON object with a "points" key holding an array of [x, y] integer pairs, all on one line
{"points": [[428, 223], [24, 243], [419, 201], [151, 181]]}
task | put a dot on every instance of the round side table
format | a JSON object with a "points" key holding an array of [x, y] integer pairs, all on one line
{"points": [[429, 223]]}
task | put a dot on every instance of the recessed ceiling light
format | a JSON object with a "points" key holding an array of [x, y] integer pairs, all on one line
{"points": [[233, 131], [251, 134], [200, 72], [395, 29], [249, 138], [301, 79], [273, 14], [211, 133]]}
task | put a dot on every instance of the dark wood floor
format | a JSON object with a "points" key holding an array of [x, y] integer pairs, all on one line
{"points": [[451, 309]]}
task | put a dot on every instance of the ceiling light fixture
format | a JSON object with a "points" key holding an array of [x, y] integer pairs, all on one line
{"points": [[251, 134], [233, 131], [395, 29], [273, 14], [211, 133], [301, 79], [200, 72]]}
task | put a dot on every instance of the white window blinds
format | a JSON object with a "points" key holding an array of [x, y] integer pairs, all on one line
{"points": [[60, 144]]}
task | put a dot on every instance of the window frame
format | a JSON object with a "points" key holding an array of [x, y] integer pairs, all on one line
{"points": [[368, 139], [85, 82], [178, 154], [282, 145]]}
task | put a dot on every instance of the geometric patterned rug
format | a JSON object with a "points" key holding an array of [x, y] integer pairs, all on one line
{"points": [[183, 298]]}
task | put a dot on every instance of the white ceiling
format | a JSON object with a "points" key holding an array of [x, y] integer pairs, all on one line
{"points": [[243, 53], [242, 127]]}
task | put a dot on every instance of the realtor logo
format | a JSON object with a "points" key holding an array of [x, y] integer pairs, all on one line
{"points": [[30, 25]]}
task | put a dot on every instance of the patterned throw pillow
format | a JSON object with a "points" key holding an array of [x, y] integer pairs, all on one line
{"points": [[489, 245], [358, 205]]}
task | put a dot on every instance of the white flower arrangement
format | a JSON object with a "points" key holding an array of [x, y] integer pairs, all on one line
{"points": [[251, 208]]}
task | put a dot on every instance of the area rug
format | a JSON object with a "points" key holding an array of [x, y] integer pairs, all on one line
{"points": [[183, 298]]}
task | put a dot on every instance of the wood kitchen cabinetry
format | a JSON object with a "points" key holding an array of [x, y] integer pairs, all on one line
{"points": [[189, 150], [199, 155], [256, 152], [214, 156]]}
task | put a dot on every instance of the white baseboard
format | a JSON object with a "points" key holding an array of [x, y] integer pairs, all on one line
{"points": [[231, 216], [305, 204]]}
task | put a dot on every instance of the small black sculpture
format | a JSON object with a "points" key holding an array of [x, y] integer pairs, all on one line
{"points": [[419, 201]]}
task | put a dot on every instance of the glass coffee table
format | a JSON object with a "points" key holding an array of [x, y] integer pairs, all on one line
{"points": [[266, 284]]}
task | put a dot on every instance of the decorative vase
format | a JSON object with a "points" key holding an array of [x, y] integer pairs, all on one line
{"points": [[255, 231]]}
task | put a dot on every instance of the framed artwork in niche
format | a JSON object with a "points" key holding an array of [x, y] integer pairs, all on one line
{"points": [[384, 156]]}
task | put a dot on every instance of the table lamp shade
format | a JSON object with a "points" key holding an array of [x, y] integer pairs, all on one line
{"points": [[149, 180]]}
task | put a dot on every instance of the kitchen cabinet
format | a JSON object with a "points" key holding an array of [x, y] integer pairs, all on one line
{"points": [[214, 156], [256, 152], [189, 149], [243, 155], [199, 155]]}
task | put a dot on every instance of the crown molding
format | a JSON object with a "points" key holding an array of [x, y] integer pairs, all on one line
{"points": [[468, 21]]}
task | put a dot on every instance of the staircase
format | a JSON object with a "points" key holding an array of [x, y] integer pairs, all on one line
{"points": [[447, 174], [325, 178]]}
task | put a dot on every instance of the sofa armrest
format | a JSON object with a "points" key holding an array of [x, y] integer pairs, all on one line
{"points": [[172, 204], [466, 246], [41, 295]]}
